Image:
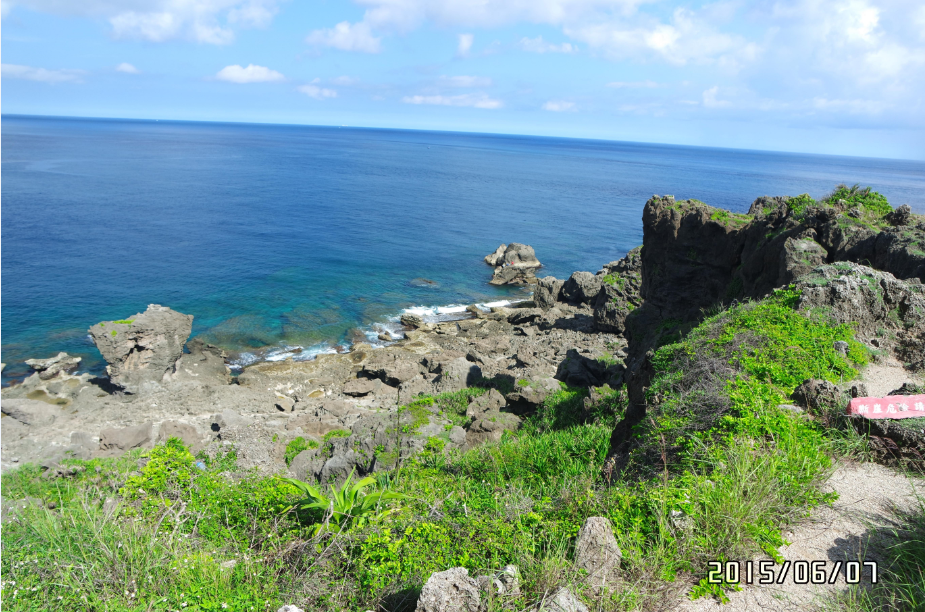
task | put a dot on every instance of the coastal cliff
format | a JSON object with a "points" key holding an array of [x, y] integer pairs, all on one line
{"points": [[518, 429]]}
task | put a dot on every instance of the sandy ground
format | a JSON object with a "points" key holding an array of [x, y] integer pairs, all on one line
{"points": [[869, 496]]}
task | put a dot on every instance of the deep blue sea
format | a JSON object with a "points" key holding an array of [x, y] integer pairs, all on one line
{"points": [[281, 237]]}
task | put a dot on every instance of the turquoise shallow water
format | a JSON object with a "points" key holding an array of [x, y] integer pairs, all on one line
{"points": [[295, 236]]}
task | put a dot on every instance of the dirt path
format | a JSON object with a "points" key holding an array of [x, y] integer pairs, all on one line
{"points": [[868, 497]]}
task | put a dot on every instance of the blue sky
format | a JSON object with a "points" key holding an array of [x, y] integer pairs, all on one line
{"points": [[822, 76]]}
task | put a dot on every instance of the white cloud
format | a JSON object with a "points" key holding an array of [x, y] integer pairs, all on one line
{"points": [[206, 21], [345, 81], [687, 38], [15, 71], [559, 106], [313, 90], [710, 100], [474, 100], [633, 84], [852, 106], [538, 45], [127, 68], [464, 81], [346, 36], [465, 44], [251, 74]]}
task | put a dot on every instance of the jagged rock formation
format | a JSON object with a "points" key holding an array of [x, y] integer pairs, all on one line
{"points": [[515, 264], [597, 552], [53, 366], [143, 349], [695, 256], [450, 591]]}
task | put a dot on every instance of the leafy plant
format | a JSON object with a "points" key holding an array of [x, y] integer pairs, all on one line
{"points": [[346, 508], [297, 446]]}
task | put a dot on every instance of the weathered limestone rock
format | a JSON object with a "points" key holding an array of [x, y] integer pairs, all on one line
{"points": [[581, 288], [141, 350], [51, 367], [514, 265], [457, 375], [30, 412], [126, 438], [799, 256], [562, 601], [506, 582], [490, 426], [597, 552], [547, 292], [450, 591], [412, 320], [186, 432], [491, 401]]}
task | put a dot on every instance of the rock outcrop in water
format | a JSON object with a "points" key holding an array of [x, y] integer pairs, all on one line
{"points": [[515, 264], [143, 349]]}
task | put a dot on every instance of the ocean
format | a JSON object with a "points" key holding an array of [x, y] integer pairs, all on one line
{"points": [[288, 240]]}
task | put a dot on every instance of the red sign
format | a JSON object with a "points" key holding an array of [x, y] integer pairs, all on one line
{"points": [[889, 407]]}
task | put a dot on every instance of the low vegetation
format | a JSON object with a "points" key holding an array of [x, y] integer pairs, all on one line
{"points": [[717, 471]]}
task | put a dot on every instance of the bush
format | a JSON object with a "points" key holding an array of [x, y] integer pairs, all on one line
{"points": [[298, 445]]}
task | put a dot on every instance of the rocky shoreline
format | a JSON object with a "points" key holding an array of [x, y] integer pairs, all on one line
{"points": [[590, 330]]}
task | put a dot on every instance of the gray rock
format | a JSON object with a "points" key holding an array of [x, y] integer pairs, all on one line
{"points": [[547, 292], [186, 432], [307, 464], [145, 349], [562, 601], [514, 255], [490, 426], [360, 387], [597, 552], [491, 401], [30, 412], [458, 435], [900, 216], [457, 375], [841, 346], [290, 608], [450, 591], [799, 256], [49, 368], [581, 288], [126, 438], [496, 258], [412, 320], [506, 582], [513, 275]]}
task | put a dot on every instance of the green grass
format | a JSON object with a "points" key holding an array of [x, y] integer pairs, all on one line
{"points": [[124, 321], [296, 446], [716, 471]]}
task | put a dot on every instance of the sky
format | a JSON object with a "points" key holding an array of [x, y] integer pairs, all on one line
{"points": [[844, 77]]}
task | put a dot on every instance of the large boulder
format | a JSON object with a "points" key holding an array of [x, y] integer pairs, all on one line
{"points": [[514, 264], [450, 591], [126, 438], [547, 292], [143, 349], [514, 254], [621, 282], [597, 552], [882, 308], [53, 366], [562, 600], [581, 288]]}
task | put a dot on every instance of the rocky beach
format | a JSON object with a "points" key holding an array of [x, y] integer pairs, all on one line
{"points": [[851, 262]]}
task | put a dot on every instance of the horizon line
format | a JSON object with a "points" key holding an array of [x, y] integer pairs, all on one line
{"points": [[463, 132]]}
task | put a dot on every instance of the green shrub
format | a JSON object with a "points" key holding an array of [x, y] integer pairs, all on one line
{"points": [[863, 198], [296, 446], [336, 433], [347, 507], [800, 203]]}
